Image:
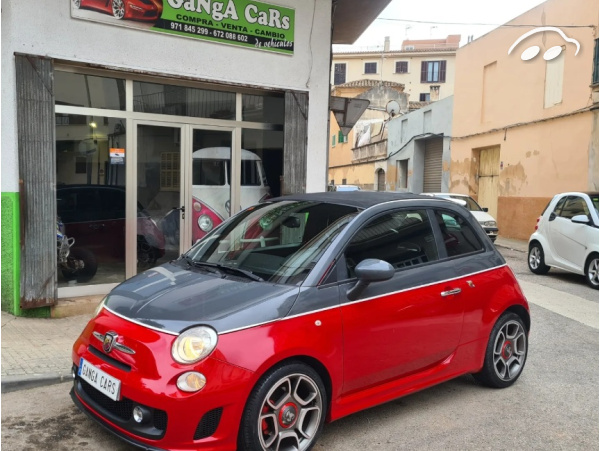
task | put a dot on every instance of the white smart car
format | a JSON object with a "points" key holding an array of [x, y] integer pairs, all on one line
{"points": [[566, 236]]}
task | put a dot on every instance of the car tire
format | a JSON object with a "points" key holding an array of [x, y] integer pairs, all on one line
{"points": [[505, 354], [535, 259], [76, 4], [287, 406], [90, 265], [591, 271], [118, 9]]}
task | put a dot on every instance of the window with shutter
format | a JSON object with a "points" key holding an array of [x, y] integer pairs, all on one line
{"points": [[401, 67], [370, 68], [433, 71]]}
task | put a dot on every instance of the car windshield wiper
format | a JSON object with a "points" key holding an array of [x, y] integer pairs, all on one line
{"points": [[230, 269], [201, 265]]}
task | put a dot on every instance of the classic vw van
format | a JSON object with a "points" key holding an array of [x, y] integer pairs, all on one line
{"points": [[211, 186]]}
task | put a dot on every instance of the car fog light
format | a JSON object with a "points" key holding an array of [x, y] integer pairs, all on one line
{"points": [[191, 382], [141, 414], [205, 223]]}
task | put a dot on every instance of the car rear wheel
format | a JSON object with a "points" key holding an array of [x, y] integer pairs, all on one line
{"points": [[536, 259], [591, 271], [506, 352], [285, 411], [118, 9]]}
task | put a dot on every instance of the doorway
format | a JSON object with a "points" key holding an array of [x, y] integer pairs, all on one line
{"points": [[489, 171]]}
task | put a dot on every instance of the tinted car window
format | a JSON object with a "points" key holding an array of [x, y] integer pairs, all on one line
{"points": [[459, 238], [250, 174], [559, 206], [401, 238], [574, 205]]}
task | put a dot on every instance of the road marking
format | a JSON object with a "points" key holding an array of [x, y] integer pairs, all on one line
{"points": [[565, 304]]}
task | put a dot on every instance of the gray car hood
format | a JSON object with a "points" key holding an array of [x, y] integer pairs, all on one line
{"points": [[174, 297]]}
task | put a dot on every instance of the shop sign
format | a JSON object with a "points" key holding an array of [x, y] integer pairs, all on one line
{"points": [[246, 23], [117, 156]]}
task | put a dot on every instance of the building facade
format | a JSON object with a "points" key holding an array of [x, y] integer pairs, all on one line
{"points": [[525, 121], [142, 128], [426, 68], [359, 158], [419, 149]]}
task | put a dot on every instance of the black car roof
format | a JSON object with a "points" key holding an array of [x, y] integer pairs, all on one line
{"points": [[359, 199]]}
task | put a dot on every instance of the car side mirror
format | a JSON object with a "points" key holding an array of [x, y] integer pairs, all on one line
{"points": [[368, 271], [580, 219], [485, 209]]}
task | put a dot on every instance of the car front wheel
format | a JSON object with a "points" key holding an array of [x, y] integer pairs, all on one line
{"points": [[535, 259], [591, 271], [118, 9], [505, 354], [285, 411]]}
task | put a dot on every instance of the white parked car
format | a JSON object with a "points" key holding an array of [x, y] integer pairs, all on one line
{"points": [[487, 221], [566, 236]]}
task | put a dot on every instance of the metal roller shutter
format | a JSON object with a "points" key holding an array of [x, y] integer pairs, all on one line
{"points": [[432, 173]]}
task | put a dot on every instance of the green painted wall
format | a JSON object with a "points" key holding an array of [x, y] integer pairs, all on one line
{"points": [[11, 259]]}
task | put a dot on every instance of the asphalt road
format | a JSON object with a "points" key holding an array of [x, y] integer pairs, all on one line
{"points": [[553, 406]]}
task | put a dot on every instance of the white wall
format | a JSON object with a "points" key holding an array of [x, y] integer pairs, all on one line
{"points": [[46, 28]]}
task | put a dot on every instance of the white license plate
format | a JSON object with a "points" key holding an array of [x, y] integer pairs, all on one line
{"points": [[104, 383]]}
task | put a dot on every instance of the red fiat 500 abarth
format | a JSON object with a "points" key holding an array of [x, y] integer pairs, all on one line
{"points": [[297, 312]]}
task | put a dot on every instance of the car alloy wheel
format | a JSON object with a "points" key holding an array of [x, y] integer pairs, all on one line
{"points": [[286, 411], [591, 271], [506, 352], [76, 4], [118, 8], [535, 259]]}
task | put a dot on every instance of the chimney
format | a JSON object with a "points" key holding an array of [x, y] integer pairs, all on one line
{"points": [[386, 44], [434, 93]]}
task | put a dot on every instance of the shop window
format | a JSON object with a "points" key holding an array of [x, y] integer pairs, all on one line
{"points": [[169, 171], [433, 71], [370, 68], [89, 91], [90, 191], [268, 108], [262, 165], [402, 67], [182, 101]]}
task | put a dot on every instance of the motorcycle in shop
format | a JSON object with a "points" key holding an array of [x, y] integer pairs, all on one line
{"points": [[75, 263]]}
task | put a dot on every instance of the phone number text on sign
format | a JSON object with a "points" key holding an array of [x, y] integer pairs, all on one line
{"points": [[193, 29]]}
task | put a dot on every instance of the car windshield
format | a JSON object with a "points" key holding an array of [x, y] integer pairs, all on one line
{"points": [[276, 242], [471, 204]]}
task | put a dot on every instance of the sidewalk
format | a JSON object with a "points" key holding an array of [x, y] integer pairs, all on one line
{"points": [[37, 351]]}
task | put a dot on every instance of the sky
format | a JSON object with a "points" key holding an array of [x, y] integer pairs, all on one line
{"points": [[439, 14]]}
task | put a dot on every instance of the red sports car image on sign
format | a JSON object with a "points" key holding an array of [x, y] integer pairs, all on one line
{"points": [[149, 10]]}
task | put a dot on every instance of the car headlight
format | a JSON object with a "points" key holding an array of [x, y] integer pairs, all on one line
{"points": [[488, 223], [205, 223], [194, 344], [100, 307]]}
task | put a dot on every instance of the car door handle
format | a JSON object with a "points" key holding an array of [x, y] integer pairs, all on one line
{"points": [[450, 292]]}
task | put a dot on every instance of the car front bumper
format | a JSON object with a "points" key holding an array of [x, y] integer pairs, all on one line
{"points": [[175, 420]]}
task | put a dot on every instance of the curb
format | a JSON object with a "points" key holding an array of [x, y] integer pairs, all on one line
{"points": [[15, 383]]}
